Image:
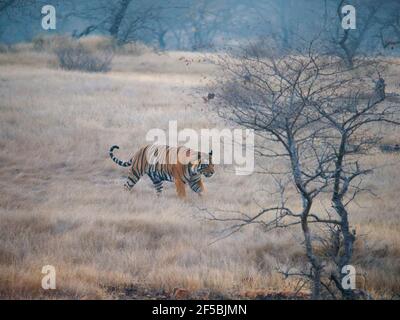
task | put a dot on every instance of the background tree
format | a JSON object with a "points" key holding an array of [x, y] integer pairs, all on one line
{"points": [[348, 43], [123, 20], [389, 24]]}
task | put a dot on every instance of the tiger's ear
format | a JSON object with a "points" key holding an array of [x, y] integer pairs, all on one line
{"points": [[210, 153]]}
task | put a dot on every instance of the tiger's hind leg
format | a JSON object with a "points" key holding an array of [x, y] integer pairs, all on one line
{"points": [[158, 184], [132, 180]]}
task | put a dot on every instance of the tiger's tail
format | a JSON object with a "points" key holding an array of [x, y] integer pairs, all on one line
{"points": [[118, 161]]}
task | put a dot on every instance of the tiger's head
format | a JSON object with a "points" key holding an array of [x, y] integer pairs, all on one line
{"points": [[205, 165]]}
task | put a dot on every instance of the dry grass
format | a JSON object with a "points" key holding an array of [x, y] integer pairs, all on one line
{"points": [[62, 202]]}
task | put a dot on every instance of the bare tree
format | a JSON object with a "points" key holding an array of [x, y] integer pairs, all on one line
{"points": [[346, 43], [311, 114], [205, 19], [350, 117], [272, 97], [389, 23], [280, 25], [123, 20]]}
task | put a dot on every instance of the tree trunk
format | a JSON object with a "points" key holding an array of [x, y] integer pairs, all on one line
{"points": [[161, 39], [284, 6], [307, 204], [117, 19], [337, 201]]}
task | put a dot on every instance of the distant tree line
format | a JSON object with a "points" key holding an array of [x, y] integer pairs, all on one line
{"points": [[208, 24]]}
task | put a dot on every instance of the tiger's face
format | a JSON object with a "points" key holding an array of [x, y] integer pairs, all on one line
{"points": [[205, 166]]}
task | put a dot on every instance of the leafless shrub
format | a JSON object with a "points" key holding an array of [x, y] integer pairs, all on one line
{"points": [[134, 49], [76, 56], [260, 48]]}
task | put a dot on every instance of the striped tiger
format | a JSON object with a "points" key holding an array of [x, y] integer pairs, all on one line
{"points": [[180, 165]]}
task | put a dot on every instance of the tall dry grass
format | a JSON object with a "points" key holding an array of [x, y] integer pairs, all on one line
{"points": [[62, 201]]}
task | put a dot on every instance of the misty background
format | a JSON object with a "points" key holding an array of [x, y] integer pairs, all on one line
{"points": [[199, 25]]}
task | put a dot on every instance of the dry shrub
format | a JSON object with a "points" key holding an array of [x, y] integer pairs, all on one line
{"points": [[135, 49], [98, 43], [260, 48], [20, 47], [78, 55]]}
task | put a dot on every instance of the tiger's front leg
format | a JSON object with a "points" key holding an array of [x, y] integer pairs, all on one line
{"points": [[180, 188], [197, 186], [157, 183]]}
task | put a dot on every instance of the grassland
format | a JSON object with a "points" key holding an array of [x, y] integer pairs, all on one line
{"points": [[62, 201]]}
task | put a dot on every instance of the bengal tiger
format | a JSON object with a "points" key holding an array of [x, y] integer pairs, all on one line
{"points": [[180, 165]]}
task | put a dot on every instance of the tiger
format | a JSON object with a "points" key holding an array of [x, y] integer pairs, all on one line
{"points": [[161, 163]]}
